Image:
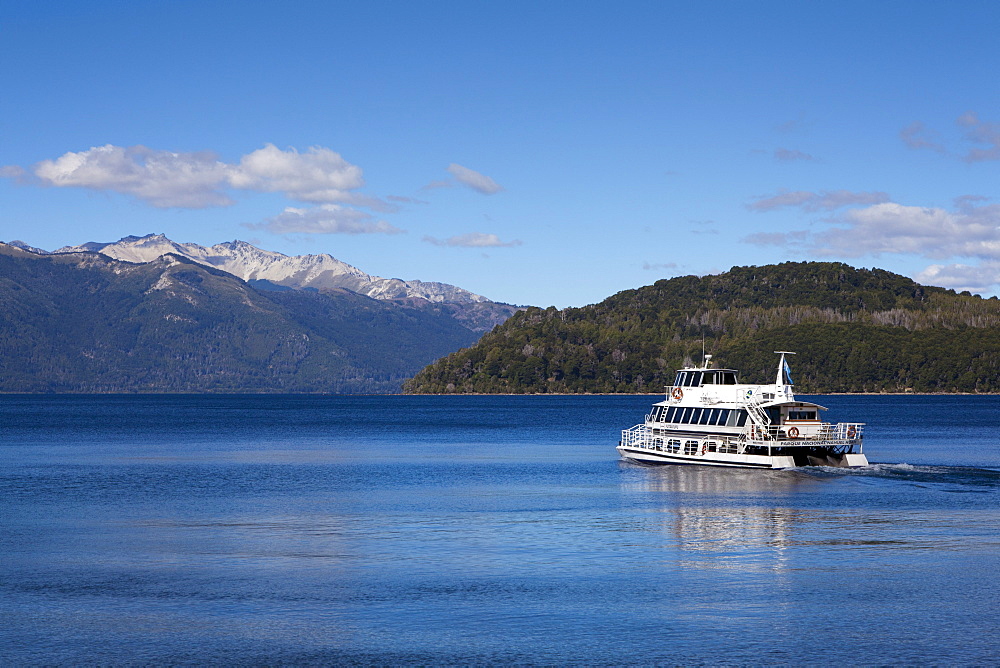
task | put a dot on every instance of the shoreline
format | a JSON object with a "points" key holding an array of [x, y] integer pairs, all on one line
{"points": [[460, 394]]}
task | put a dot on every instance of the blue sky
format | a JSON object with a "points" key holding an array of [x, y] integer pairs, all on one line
{"points": [[546, 153]]}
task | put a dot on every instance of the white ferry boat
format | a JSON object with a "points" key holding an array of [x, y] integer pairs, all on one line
{"points": [[709, 418]]}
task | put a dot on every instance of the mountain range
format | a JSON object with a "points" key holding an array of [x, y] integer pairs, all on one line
{"points": [[250, 263], [146, 314], [271, 270]]}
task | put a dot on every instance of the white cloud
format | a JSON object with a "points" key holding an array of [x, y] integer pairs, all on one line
{"points": [[199, 180], [961, 277], [160, 178], [325, 219], [319, 175], [827, 200], [473, 240], [473, 179], [926, 231], [889, 228]]}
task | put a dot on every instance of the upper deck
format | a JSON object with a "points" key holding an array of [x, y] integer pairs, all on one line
{"points": [[708, 387]]}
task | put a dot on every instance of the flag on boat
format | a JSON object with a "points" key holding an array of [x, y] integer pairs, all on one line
{"points": [[788, 374]]}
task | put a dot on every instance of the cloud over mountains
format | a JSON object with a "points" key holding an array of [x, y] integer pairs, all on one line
{"points": [[168, 179], [199, 180], [325, 219]]}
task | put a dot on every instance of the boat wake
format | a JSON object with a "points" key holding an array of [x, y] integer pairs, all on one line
{"points": [[986, 478]]}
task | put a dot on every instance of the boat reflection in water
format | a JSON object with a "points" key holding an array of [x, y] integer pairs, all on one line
{"points": [[723, 519]]}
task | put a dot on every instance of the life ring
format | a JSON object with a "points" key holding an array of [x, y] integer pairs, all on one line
{"points": [[677, 393], [793, 432], [851, 432]]}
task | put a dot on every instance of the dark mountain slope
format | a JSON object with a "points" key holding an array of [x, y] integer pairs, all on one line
{"points": [[854, 329], [82, 322]]}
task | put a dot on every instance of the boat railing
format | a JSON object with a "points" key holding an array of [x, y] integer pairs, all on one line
{"points": [[637, 436], [846, 432]]}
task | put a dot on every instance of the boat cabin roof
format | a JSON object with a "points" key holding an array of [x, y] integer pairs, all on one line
{"points": [[793, 404], [699, 377]]}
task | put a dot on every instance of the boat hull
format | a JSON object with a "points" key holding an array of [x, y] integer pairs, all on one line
{"points": [[646, 456]]}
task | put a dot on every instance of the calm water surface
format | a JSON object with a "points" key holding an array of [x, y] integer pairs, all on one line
{"points": [[484, 530]]}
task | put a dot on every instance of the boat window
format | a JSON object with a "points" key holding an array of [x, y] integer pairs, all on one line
{"points": [[680, 380], [728, 378], [683, 414], [690, 447], [737, 419], [708, 378], [724, 416], [705, 415], [673, 445], [694, 379], [801, 415]]}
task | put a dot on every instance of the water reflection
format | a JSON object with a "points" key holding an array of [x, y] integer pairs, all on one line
{"points": [[722, 519], [709, 480]]}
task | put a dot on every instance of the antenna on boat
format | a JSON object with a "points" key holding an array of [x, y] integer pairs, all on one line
{"points": [[784, 371]]}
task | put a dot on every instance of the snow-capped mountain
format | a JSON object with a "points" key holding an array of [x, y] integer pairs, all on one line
{"points": [[299, 271]]}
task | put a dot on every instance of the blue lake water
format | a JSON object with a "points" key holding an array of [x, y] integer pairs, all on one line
{"points": [[484, 530]]}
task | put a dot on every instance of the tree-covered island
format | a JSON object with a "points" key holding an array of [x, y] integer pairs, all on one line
{"points": [[856, 330]]}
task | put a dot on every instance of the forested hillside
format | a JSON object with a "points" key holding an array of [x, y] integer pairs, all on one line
{"points": [[855, 330], [82, 322]]}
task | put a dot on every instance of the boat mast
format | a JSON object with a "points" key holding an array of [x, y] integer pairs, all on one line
{"points": [[783, 369]]}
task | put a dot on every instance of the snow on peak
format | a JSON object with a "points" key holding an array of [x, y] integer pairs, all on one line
{"points": [[248, 262]]}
